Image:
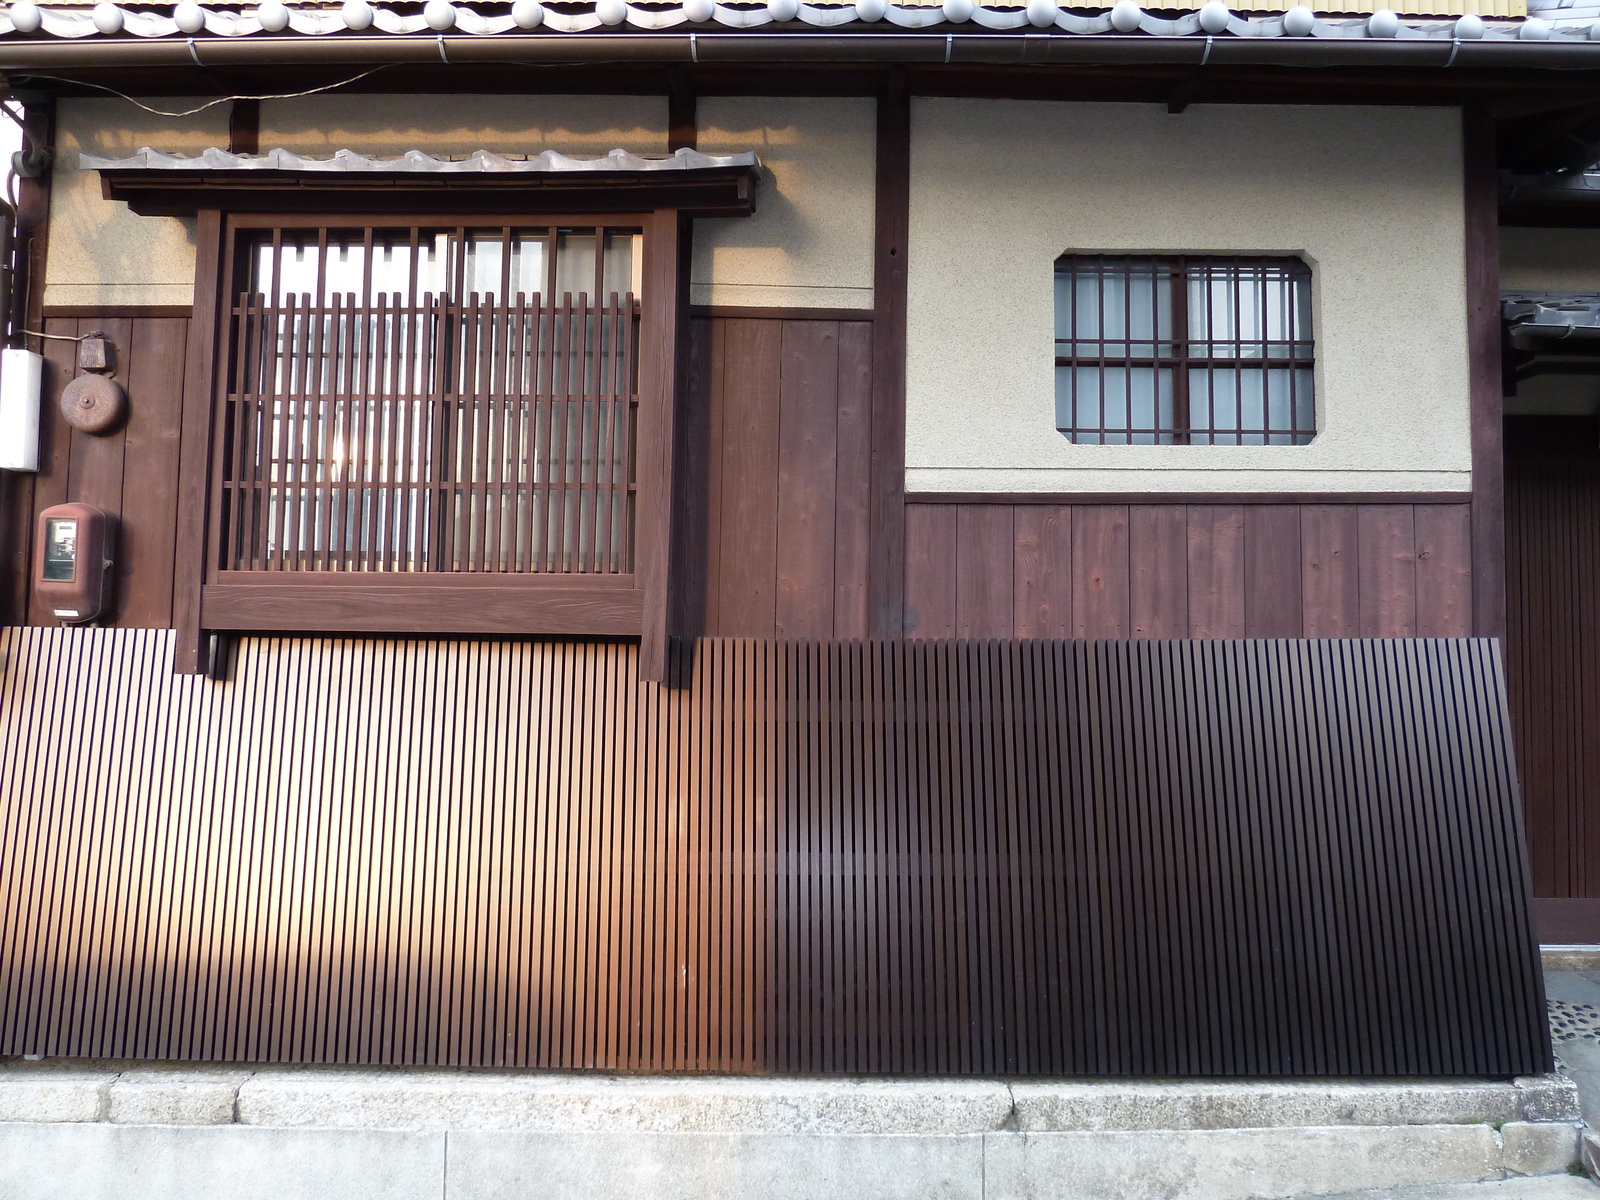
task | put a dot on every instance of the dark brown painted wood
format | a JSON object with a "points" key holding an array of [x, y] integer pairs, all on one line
{"points": [[808, 453], [1197, 570], [1041, 586], [1444, 570], [355, 604], [984, 572], [1274, 605], [891, 229], [1330, 570], [663, 341], [55, 443], [1216, 571], [132, 312], [1100, 572], [704, 192], [755, 313], [190, 655], [852, 529], [244, 127], [1552, 654], [1482, 229], [33, 219], [930, 587], [95, 473], [30, 246], [1158, 551], [695, 530], [1188, 497], [683, 132], [887, 857], [744, 447], [1387, 557]]}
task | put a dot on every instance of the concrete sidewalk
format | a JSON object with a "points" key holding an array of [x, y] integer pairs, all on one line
{"points": [[1547, 1187]]}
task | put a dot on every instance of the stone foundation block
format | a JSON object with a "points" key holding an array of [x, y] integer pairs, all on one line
{"points": [[1234, 1164], [620, 1104], [1591, 1153], [1064, 1107], [172, 1098], [53, 1095], [1539, 1149], [1548, 1098]]}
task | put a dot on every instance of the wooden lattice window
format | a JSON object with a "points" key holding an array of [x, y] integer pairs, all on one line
{"points": [[1212, 350], [413, 397]]}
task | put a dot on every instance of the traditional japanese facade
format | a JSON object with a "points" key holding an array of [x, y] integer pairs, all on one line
{"points": [[787, 538]]}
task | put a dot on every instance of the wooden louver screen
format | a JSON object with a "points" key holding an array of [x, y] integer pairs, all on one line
{"points": [[425, 399]]}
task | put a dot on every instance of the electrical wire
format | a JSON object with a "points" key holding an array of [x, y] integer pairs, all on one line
{"points": [[60, 337], [189, 112]]}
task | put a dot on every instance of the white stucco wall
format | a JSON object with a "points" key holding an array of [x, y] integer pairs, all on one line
{"points": [[1371, 197], [809, 244], [101, 253]]}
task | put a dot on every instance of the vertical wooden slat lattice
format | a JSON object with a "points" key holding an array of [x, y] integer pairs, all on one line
{"points": [[1019, 858], [436, 429]]}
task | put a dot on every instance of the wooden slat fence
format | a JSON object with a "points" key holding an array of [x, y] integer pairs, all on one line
{"points": [[1021, 858]]}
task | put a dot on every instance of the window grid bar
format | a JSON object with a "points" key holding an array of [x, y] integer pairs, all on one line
{"points": [[1180, 348]]}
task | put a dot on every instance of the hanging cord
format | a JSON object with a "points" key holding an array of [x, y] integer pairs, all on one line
{"points": [[189, 112], [62, 337]]}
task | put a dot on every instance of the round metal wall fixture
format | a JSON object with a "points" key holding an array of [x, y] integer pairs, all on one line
{"points": [[93, 403]]}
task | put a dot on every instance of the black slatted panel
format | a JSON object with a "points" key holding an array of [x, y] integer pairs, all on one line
{"points": [[1021, 858]]}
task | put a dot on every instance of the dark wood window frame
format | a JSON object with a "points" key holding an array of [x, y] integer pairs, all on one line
{"points": [[661, 204], [1174, 354]]}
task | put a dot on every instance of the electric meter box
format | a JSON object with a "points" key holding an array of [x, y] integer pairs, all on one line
{"points": [[72, 562]]}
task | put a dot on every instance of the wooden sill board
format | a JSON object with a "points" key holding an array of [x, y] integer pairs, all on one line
{"points": [[343, 606]]}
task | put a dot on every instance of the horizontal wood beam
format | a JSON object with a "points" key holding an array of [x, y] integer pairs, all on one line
{"points": [[368, 607], [1060, 498]]}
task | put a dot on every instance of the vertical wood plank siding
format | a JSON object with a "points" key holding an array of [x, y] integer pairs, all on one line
{"points": [[1188, 570], [1552, 647], [1025, 858], [131, 472], [784, 406]]}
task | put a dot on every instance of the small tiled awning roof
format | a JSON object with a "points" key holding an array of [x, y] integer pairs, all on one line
{"points": [[415, 161], [154, 183]]}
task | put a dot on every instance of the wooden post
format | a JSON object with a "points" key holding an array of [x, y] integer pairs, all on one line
{"points": [[682, 123], [662, 360], [1487, 390], [31, 240], [887, 469], [190, 655]]}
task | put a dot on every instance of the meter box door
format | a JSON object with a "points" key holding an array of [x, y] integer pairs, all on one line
{"points": [[72, 562]]}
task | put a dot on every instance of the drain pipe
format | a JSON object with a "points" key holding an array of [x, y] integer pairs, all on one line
{"points": [[50, 54]]}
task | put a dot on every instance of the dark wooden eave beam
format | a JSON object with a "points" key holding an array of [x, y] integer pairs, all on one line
{"points": [[705, 192]]}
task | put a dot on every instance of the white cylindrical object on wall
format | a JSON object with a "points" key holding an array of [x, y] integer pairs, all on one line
{"points": [[20, 372]]}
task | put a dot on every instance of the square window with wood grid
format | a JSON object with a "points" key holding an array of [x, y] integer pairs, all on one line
{"points": [[421, 398], [1184, 350]]}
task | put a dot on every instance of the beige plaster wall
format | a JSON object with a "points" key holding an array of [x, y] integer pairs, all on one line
{"points": [[101, 253], [1566, 260], [809, 244], [387, 126], [1371, 197]]}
